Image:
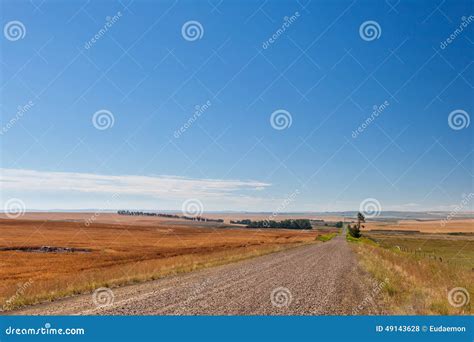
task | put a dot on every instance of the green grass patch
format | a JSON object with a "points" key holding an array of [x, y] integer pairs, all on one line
{"points": [[350, 238], [362, 239], [326, 237]]}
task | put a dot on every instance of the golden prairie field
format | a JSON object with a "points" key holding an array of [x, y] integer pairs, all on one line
{"points": [[424, 226], [417, 285], [121, 250], [420, 271]]}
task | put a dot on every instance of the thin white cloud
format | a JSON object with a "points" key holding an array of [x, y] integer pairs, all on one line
{"points": [[156, 186]]}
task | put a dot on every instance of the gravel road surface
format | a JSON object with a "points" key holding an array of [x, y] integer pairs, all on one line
{"points": [[318, 279]]}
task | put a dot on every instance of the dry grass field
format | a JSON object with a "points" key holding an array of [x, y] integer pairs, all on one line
{"points": [[419, 270], [447, 248], [424, 226], [150, 220], [119, 250], [112, 250]]}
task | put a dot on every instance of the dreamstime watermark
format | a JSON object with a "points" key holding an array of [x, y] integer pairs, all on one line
{"points": [[459, 208], [102, 297], [108, 205], [192, 207], [196, 293], [376, 111], [458, 296], [199, 110], [109, 22], [14, 208], [21, 111], [19, 292], [103, 119], [287, 22], [465, 21], [371, 297], [370, 207], [46, 330], [192, 30], [281, 119], [14, 30], [283, 205], [370, 30], [458, 119], [281, 297], [200, 288]]}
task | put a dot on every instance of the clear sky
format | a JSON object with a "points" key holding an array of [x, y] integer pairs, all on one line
{"points": [[186, 113]]}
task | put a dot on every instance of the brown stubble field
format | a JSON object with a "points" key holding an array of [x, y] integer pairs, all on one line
{"points": [[123, 250]]}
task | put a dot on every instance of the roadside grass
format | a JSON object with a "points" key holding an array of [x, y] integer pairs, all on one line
{"points": [[362, 239], [416, 285], [351, 238], [455, 249], [326, 237]]}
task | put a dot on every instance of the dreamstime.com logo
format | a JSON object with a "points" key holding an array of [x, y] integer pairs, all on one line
{"points": [[465, 21], [197, 292], [14, 208], [458, 119], [192, 30], [108, 205], [283, 205], [102, 297], [458, 297], [376, 111], [287, 22], [370, 207], [109, 22], [281, 297], [14, 30], [281, 119], [370, 30], [46, 330], [19, 292], [21, 111], [103, 119], [371, 297], [458, 208], [199, 110], [192, 207]]}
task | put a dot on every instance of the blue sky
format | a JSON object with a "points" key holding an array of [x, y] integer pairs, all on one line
{"points": [[319, 70]]}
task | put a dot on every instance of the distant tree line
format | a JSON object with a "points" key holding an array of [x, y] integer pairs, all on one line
{"points": [[338, 224], [191, 218], [285, 224]]}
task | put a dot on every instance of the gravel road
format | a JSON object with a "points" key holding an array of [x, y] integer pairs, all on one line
{"points": [[318, 279]]}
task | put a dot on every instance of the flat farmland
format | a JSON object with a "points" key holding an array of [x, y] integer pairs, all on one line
{"points": [[453, 249], [424, 226], [105, 217], [111, 250]]}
